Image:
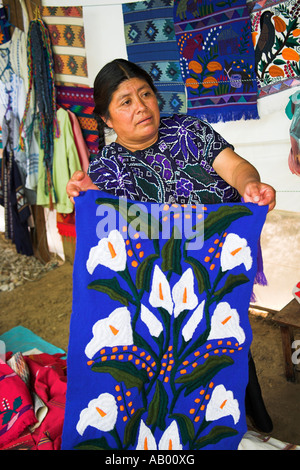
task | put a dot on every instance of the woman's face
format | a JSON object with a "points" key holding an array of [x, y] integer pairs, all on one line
{"points": [[134, 114]]}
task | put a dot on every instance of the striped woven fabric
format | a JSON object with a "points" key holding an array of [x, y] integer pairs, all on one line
{"points": [[66, 30], [80, 101]]}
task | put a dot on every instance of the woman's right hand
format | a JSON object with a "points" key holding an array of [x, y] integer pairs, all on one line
{"points": [[79, 181]]}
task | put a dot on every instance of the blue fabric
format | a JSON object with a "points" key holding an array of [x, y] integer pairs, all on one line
{"points": [[151, 43], [159, 334], [217, 59]]}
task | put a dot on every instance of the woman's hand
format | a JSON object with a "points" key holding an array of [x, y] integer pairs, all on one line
{"points": [[260, 193], [240, 174], [79, 181]]}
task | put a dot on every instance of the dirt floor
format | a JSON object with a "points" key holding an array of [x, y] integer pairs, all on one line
{"points": [[44, 306]]}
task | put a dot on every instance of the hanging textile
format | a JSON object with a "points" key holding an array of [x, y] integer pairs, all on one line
{"points": [[66, 29], [80, 101], [217, 59], [276, 38], [159, 334], [12, 194], [150, 42], [41, 78]]}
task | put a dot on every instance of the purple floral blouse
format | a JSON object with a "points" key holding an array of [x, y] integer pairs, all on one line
{"points": [[177, 168]]}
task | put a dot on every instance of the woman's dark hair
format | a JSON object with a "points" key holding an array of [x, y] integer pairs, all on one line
{"points": [[107, 82]]}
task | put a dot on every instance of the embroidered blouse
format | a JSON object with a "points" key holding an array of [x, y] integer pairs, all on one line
{"points": [[177, 168]]}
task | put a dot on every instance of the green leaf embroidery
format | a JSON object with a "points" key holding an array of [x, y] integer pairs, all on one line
{"points": [[93, 444], [186, 426], [203, 373], [158, 407], [215, 435], [123, 372], [113, 289], [232, 281], [218, 221], [132, 428]]}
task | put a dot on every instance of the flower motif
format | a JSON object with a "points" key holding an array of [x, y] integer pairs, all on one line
{"points": [[101, 414], [235, 251], [183, 293], [221, 404], [190, 327], [109, 252], [170, 439], [112, 176], [225, 323], [114, 330], [155, 327]]}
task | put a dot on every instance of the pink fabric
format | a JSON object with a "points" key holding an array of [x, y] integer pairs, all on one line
{"points": [[82, 149]]}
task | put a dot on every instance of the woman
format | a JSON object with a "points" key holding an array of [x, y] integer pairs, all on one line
{"points": [[173, 159]]}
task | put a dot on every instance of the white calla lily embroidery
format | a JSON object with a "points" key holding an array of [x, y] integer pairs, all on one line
{"points": [[170, 439], [225, 323], [109, 252], [182, 297], [101, 413], [194, 320], [221, 404], [235, 252], [155, 327], [114, 330]]}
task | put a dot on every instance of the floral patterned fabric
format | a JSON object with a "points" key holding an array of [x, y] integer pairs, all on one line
{"points": [[177, 168], [159, 334]]}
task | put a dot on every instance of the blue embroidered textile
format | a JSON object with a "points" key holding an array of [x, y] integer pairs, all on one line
{"points": [[217, 59], [159, 334], [151, 43]]}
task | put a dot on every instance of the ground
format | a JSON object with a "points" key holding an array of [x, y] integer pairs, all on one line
{"points": [[44, 305]]}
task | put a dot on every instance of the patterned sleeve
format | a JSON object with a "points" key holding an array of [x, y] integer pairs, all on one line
{"points": [[111, 175]]}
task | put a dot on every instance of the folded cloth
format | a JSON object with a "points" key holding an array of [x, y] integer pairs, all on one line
{"points": [[46, 380], [16, 409]]}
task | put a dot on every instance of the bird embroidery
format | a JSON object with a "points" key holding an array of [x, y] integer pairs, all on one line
{"points": [[266, 39]]}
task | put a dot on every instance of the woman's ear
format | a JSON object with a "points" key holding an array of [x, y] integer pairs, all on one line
{"points": [[106, 121]]}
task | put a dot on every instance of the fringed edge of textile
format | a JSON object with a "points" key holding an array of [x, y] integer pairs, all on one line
{"points": [[216, 117]]}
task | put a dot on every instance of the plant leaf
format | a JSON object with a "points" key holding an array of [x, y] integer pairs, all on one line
{"points": [[232, 281], [215, 435], [158, 407], [218, 221], [187, 431], [132, 427], [113, 289], [204, 373], [123, 372], [93, 444]]}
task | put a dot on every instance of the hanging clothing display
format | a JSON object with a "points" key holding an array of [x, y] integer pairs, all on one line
{"points": [[41, 78], [276, 38], [80, 101], [217, 59], [14, 80], [12, 194], [65, 163], [151, 43]]}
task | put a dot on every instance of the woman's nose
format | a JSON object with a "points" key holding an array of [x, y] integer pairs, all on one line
{"points": [[140, 104]]}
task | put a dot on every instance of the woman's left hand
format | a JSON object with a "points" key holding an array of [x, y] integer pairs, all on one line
{"points": [[260, 193]]}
